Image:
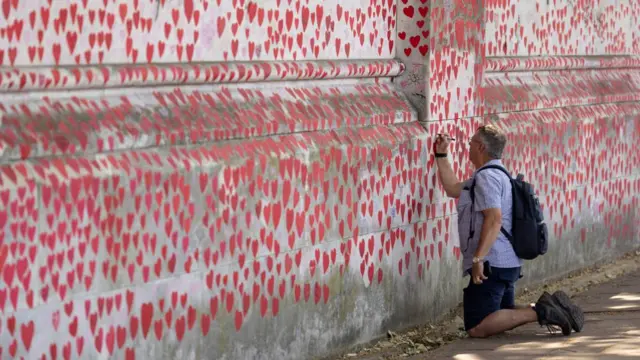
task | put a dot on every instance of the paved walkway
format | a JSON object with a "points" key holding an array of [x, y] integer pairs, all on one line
{"points": [[611, 331]]}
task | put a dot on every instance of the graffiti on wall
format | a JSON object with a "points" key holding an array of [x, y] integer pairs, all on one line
{"points": [[167, 245], [569, 27], [272, 229], [143, 222], [159, 31], [413, 49]]}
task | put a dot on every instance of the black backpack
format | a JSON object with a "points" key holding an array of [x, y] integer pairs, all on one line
{"points": [[529, 234]]}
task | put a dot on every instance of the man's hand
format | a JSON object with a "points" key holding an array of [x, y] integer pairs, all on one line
{"points": [[477, 273], [441, 146]]}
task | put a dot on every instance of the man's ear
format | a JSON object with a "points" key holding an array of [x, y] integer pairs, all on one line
{"points": [[481, 146]]}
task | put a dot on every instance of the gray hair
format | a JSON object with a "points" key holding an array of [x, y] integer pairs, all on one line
{"points": [[493, 139]]}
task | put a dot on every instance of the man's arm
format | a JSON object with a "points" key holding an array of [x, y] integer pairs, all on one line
{"points": [[452, 186], [488, 200], [490, 231]]}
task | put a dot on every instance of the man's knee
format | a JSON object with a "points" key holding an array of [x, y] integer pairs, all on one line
{"points": [[477, 305], [477, 333]]}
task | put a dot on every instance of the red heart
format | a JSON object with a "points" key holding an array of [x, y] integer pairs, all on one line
{"points": [[26, 334], [409, 11]]}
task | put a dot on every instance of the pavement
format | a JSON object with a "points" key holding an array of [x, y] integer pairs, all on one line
{"points": [[611, 331]]}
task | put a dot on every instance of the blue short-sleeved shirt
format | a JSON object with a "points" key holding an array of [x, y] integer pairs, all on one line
{"points": [[492, 190]]}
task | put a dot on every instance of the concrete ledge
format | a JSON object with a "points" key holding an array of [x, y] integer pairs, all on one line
{"points": [[49, 78], [542, 89], [543, 63], [115, 121]]}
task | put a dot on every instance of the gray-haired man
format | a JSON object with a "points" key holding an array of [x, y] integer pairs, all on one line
{"points": [[488, 256]]}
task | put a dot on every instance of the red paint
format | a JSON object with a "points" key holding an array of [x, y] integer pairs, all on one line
{"points": [[248, 200]]}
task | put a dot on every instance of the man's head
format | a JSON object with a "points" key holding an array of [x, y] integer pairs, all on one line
{"points": [[486, 144]]}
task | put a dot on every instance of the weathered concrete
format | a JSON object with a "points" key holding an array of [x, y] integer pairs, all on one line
{"points": [[234, 179]]}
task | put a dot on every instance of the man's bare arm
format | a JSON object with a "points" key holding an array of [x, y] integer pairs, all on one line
{"points": [[452, 186], [490, 231]]}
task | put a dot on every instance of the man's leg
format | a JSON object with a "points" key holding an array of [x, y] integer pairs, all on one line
{"points": [[503, 320], [508, 316], [545, 312], [482, 300]]}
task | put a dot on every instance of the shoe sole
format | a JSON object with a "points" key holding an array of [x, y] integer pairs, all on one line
{"points": [[576, 315]]}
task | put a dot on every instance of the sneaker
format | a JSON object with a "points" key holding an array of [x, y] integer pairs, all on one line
{"points": [[573, 312], [550, 314]]}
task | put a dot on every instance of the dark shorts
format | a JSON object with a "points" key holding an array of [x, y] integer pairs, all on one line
{"points": [[495, 293]]}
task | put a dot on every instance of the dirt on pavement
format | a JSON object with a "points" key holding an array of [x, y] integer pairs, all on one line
{"points": [[426, 338]]}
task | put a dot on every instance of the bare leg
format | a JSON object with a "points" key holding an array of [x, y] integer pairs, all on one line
{"points": [[503, 320]]}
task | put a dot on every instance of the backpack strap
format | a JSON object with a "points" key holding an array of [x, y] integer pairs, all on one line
{"points": [[472, 195], [497, 167]]}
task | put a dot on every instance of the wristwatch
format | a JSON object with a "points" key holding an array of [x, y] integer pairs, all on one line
{"points": [[476, 259]]}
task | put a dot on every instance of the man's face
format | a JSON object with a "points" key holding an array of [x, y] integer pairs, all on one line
{"points": [[475, 150]]}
